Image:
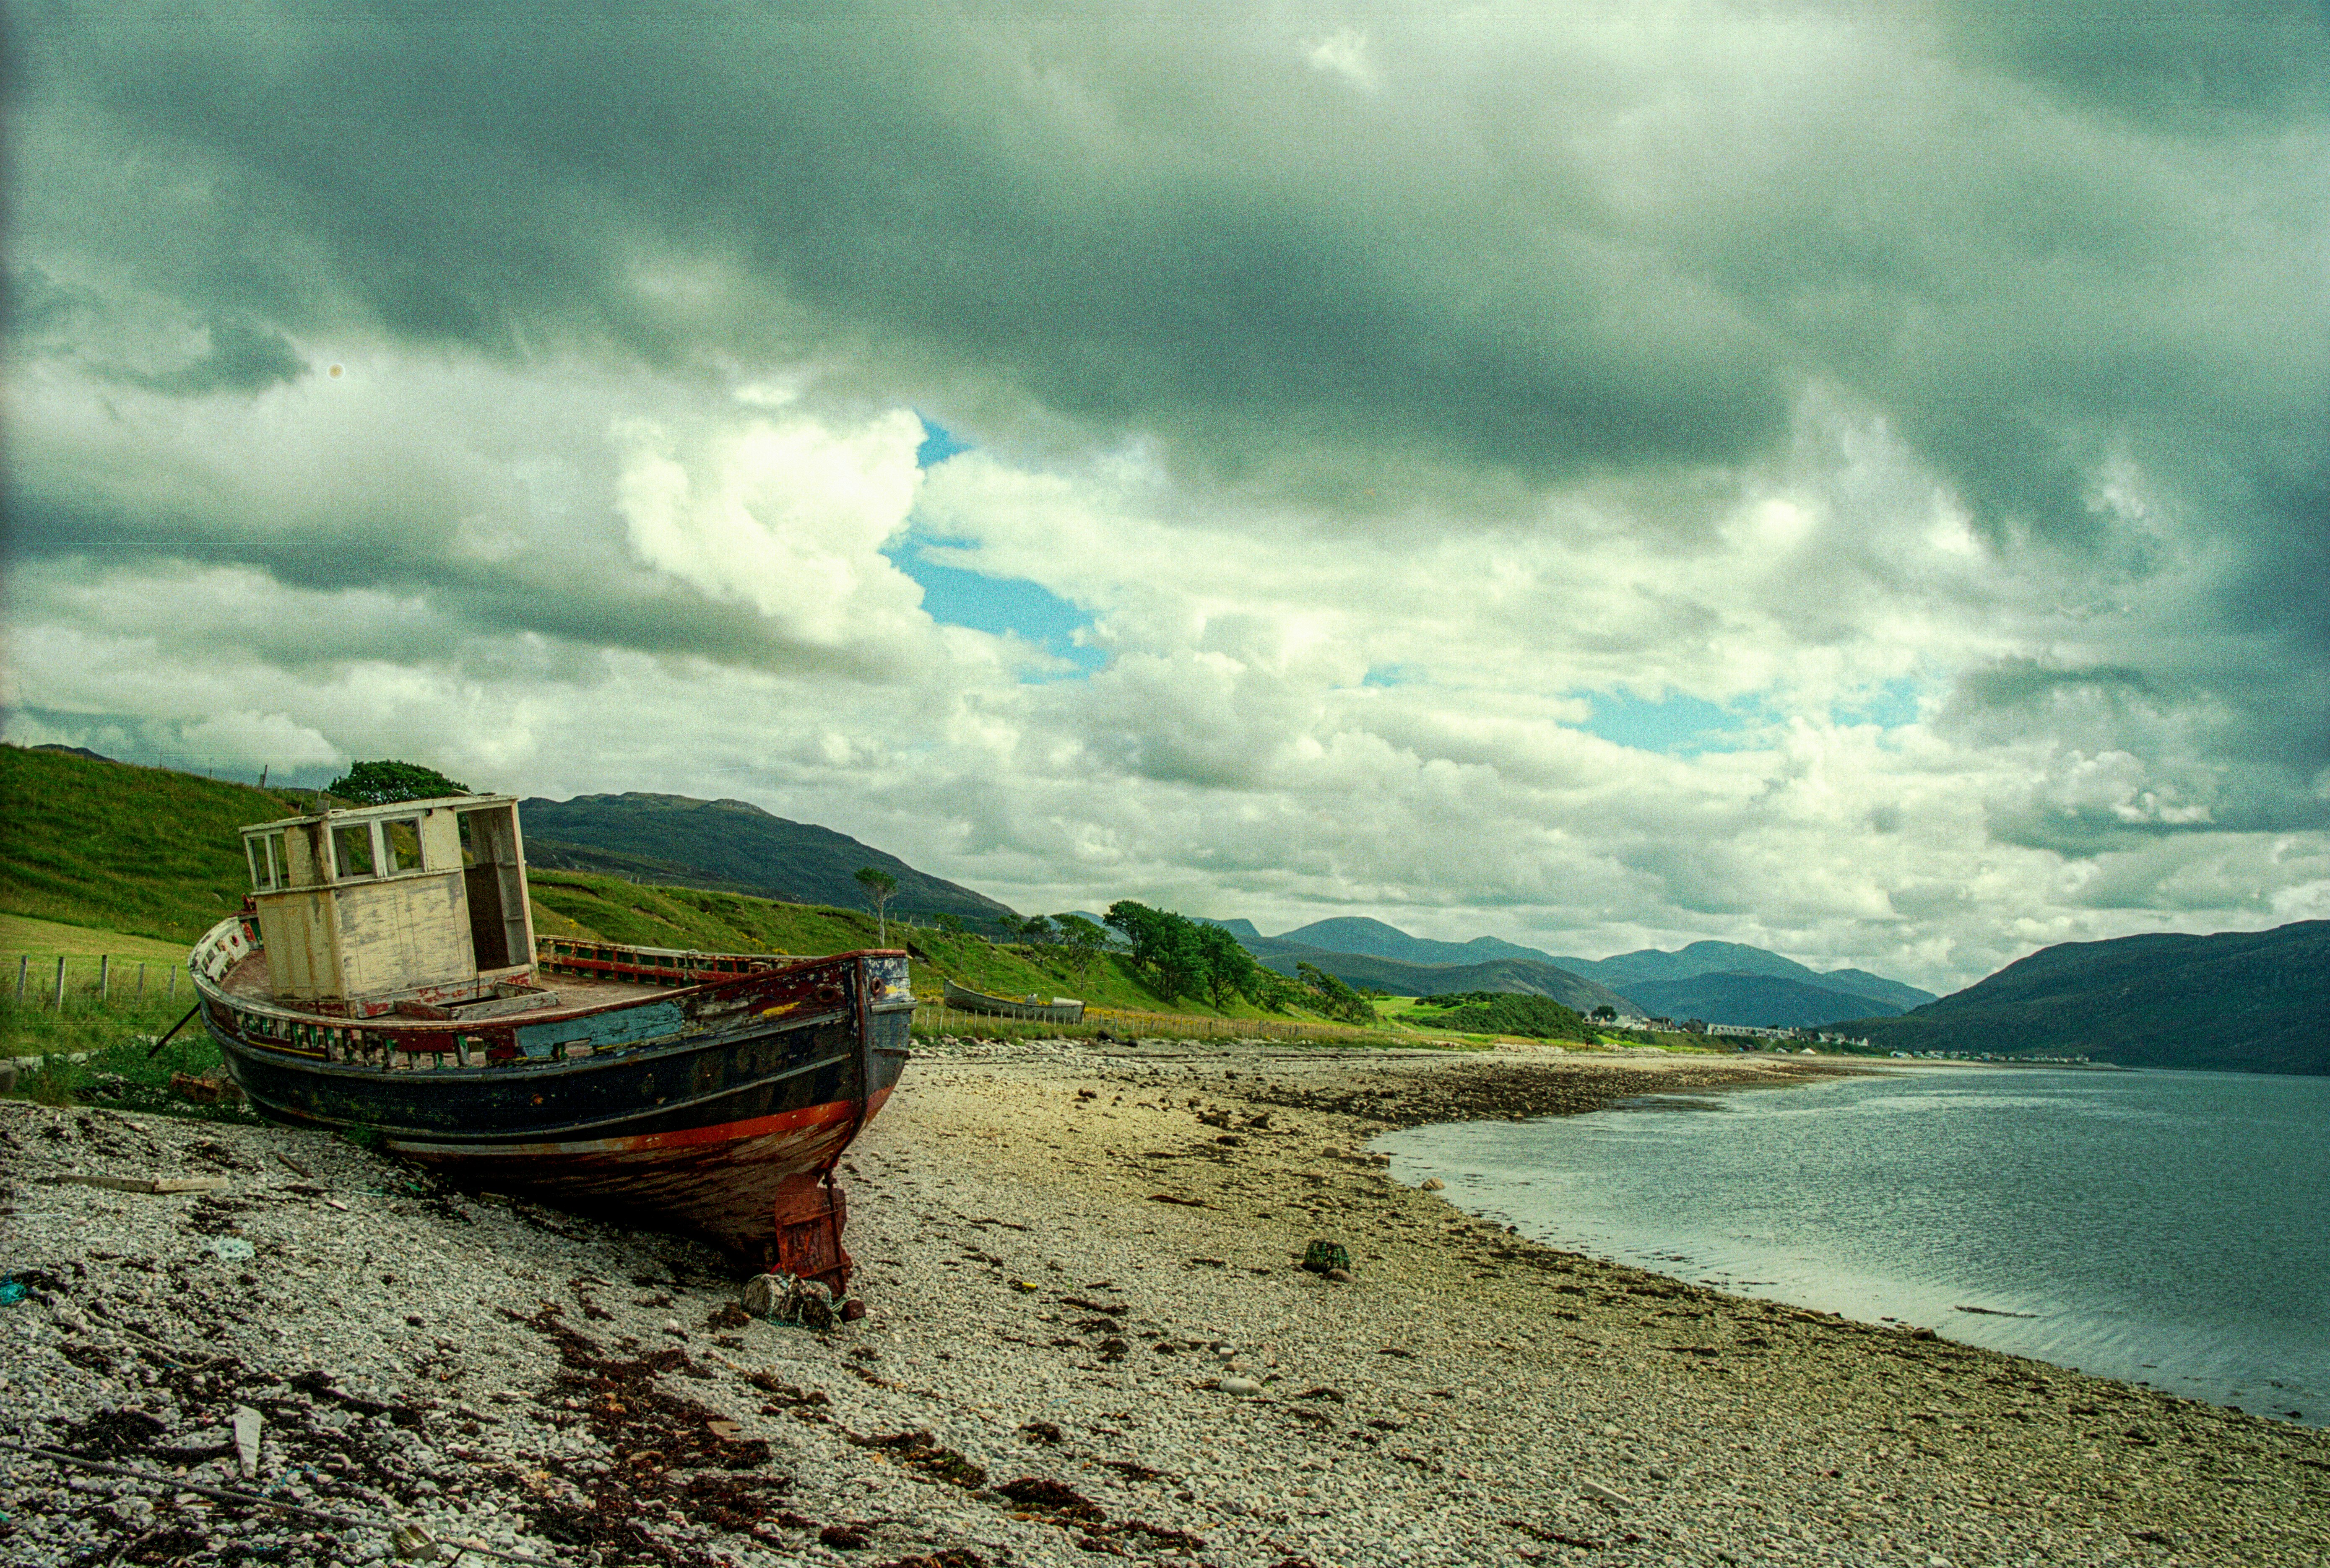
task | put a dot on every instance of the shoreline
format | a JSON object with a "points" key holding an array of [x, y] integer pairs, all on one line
{"points": [[1072, 1274]]}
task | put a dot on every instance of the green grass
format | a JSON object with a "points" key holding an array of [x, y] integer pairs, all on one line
{"points": [[117, 1036], [143, 851]]}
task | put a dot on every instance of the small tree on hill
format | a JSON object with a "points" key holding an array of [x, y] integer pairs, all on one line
{"points": [[881, 887], [385, 782], [1084, 939]]}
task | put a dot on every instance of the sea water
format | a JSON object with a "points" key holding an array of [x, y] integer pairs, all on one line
{"points": [[2164, 1228]]}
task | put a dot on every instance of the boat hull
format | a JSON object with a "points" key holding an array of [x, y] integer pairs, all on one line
{"points": [[712, 1130], [963, 998]]}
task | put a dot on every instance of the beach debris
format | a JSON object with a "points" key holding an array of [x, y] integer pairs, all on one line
{"points": [[145, 1184], [1242, 1386], [1170, 1198], [1607, 1496], [247, 1422], [1042, 1431], [412, 1541], [12, 1290], [1052, 1497], [212, 1088], [786, 1299], [1322, 1257], [233, 1250]]}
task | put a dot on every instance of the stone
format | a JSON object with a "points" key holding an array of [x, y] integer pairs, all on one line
{"points": [[247, 1424], [1433, 1185], [1242, 1386], [1609, 1497]]}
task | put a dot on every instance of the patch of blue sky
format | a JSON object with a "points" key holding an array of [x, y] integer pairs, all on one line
{"points": [[1676, 725], [1391, 676], [939, 444], [1887, 706], [958, 596]]}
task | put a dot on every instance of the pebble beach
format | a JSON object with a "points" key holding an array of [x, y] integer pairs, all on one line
{"points": [[1088, 1334]]}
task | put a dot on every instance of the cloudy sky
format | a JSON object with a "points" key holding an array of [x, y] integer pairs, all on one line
{"points": [[1854, 480]]}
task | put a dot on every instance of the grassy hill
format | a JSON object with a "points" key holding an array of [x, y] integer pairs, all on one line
{"points": [[144, 851], [729, 845]]}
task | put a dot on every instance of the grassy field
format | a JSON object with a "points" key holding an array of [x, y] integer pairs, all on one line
{"points": [[143, 851]]}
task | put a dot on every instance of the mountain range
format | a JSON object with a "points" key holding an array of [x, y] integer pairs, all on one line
{"points": [[729, 845], [2249, 1001], [1720, 982]]}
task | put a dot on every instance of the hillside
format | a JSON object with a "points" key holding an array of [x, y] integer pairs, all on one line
{"points": [[1519, 976], [2245, 1001], [144, 851], [1756, 999], [730, 844]]}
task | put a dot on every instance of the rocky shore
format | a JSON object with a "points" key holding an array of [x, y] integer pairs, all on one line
{"points": [[1088, 1336]]}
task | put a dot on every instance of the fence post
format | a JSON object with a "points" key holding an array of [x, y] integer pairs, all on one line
{"points": [[171, 990], [141, 982], [24, 968], [104, 975], [61, 982]]}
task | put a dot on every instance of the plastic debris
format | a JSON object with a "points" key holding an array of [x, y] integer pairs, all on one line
{"points": [[1319, 1257], [233, 1250], [12, 1290]]}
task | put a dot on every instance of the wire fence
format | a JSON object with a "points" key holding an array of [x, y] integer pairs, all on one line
{"points": [[62, 982]]}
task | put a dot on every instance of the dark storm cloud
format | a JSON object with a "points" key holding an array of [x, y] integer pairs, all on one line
{"points": [[2036, 241]]}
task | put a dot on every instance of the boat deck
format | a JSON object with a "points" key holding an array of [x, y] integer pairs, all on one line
{"points": [[248, 982]]}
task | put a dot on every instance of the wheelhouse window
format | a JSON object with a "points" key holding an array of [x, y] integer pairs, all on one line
{"points": [[401, 843], [267, 868], [352, 851]]}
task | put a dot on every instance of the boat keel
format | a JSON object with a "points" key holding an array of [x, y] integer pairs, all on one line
{"points": [[810, 1212]]}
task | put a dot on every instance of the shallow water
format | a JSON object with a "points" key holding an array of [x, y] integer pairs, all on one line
{"points": [[2168, 1228]]}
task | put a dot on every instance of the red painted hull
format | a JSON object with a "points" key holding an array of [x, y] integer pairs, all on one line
{"points": [[722, 1183]]}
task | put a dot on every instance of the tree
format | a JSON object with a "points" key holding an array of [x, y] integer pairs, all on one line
{"points": [[952, 924], [1229, 968], [1164, 944], [1084, 939], [386, 782], [1335, 999], [881, 887]]}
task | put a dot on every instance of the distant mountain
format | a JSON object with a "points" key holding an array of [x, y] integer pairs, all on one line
{"points": [[1375, 940], [1756, 999], [1522, 976], [1242, 930], [729, 845], [1698, 959], [71, 752], [1358, 935], [2244, 1001], [1897, 997]]}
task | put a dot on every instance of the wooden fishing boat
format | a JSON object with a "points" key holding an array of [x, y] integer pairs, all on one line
{"points": [[384, 975], [1057, 1010]]}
